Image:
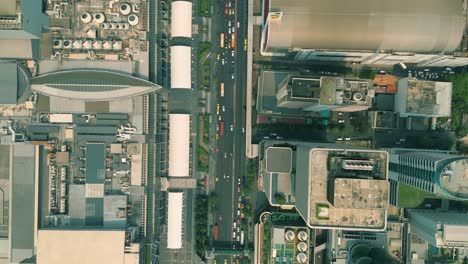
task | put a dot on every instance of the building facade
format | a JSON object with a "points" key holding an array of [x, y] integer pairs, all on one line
{"points": [[434, 171], [440, 229]]}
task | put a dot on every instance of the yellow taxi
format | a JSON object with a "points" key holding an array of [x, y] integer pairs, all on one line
{"points": [[217, 109]]}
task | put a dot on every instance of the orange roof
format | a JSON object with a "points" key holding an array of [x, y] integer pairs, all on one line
{"points": [[385, 83]]}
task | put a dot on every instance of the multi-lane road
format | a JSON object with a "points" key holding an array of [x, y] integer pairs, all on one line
{"points": [[229, 18]]}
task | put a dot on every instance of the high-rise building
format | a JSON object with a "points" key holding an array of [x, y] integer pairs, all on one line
{"points": [[332, 186], [435, 171], [21, 25], [439, 228]]}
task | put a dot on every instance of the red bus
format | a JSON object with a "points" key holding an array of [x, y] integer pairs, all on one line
{"points": [[221, 128], [215, 232]]}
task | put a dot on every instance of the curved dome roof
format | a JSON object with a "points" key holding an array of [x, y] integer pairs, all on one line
{"points": [[453, 178], [91, 85]]}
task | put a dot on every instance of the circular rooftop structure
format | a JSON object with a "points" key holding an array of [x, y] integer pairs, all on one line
{"points": [[91, 85], [453, 178]]}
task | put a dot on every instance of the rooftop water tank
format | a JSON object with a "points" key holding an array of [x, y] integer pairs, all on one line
{"points": [[302, 235], [105, 26], [357, 96], [113, 25], [77, 44], [125, 9], [85, 17], [117, 45], [133, 20], [87, 44], [302, 246], [91, 33], [97, 45], [301, 258], [107, 45], [99, 18], [289, 235], [125, 26]]}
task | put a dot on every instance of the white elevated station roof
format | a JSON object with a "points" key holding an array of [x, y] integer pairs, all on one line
{"points": [[174, 219], [179, 145], [181, 19], [181, 67]]}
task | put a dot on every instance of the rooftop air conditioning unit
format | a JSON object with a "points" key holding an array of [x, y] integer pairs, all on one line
{"points": [[133, 20], [85, 17], [57, 43], [67, 44], [99, 18], [125, 9]]}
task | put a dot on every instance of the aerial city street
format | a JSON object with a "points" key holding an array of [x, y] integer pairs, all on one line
{"points": [[234, 131]]}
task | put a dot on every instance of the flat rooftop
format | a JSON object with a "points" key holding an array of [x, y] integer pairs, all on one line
{"points": [[325, 165], [428, 97], [360, 193], [81, 246], [279, 159]]}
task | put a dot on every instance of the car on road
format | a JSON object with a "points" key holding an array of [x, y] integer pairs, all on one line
{"points": [[224, 108], [220, 217], [229, 30], [217, 127], [219, 56], [229, 22], [234, 224], [222, 61], [238, 189], [217, 149], [225, 155], [219, 118], [234, 234], [341, 121], [232, 76], [238, 212], [339, 139], [217, 109], [243, 130], [340, 113], [238, 24], [347, 139], [232, 53], [232, 128]]}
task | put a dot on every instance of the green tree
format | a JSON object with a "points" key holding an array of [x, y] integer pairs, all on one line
{"points": [[280, 198]]}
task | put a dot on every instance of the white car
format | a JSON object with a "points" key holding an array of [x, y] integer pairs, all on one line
{"points": [[229, 30], [222, 61], [339, 139], [347, 139], [225, 155], [232, 128], [234, 224], [238, 24], [238, 212], [229, 22], [341, 121], [224, 109], [232, 53], [219, 118], [232, 76], [233, 234], [243, 130], [217, 127]]}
